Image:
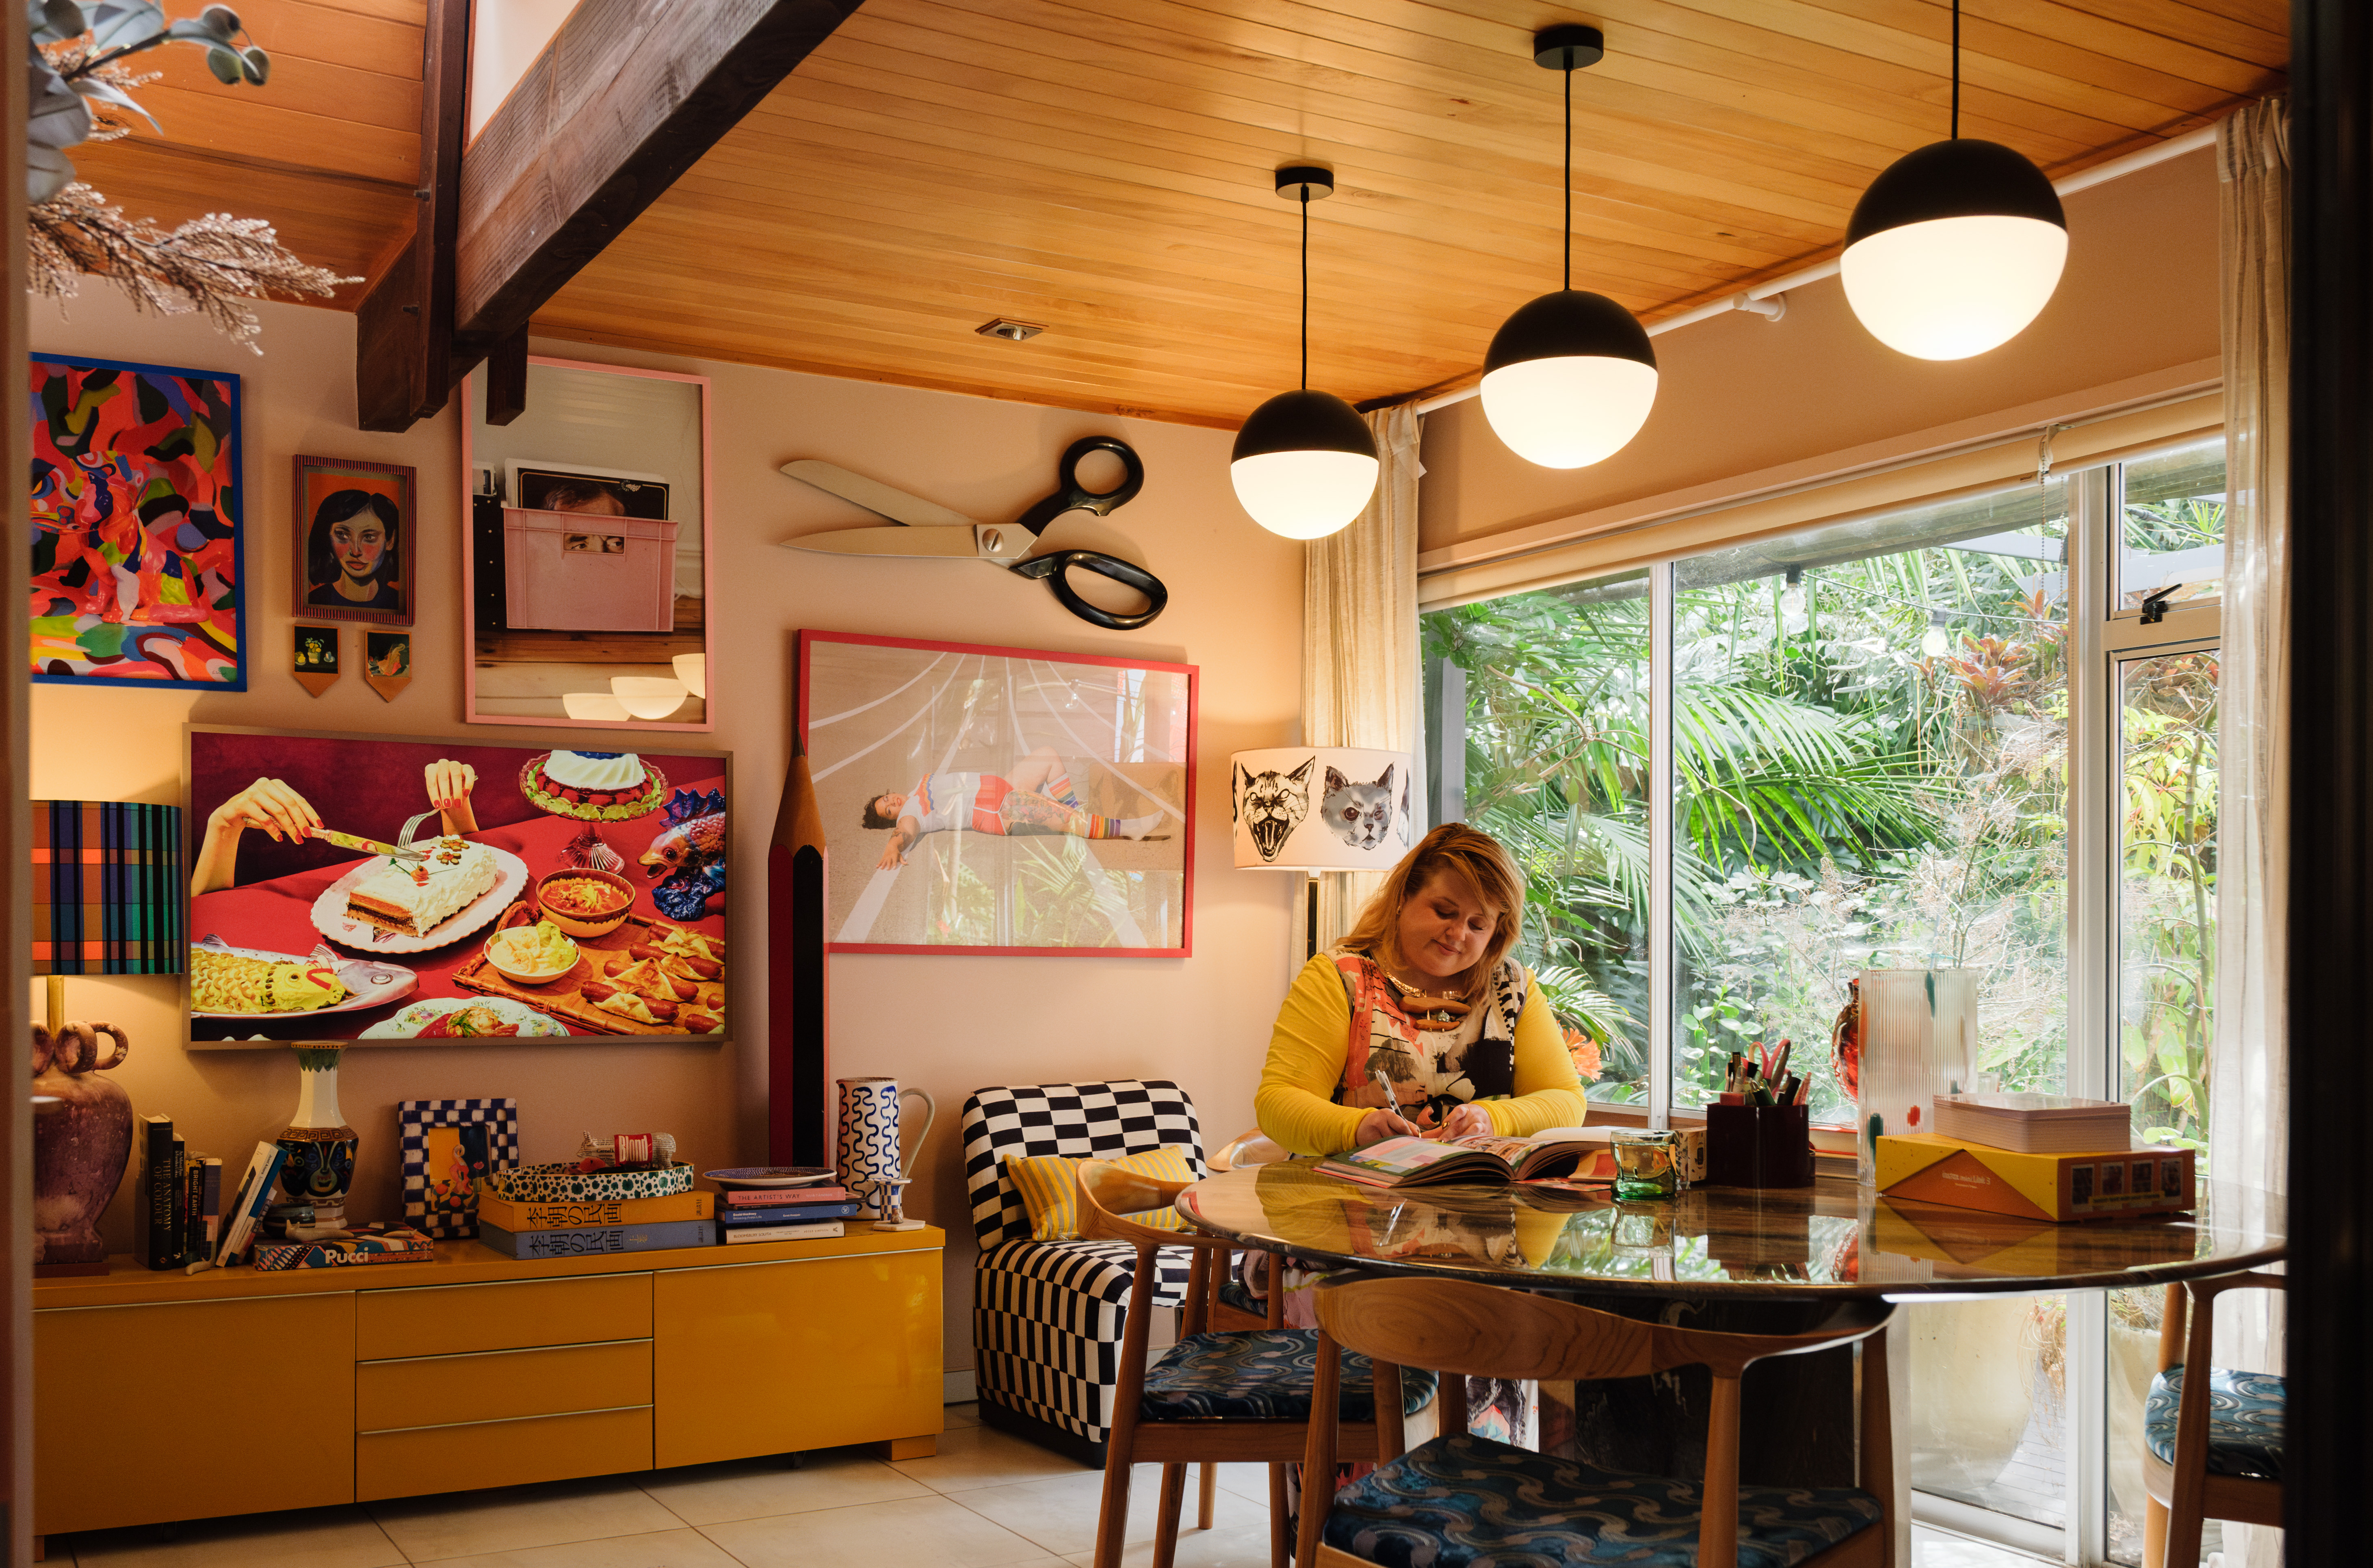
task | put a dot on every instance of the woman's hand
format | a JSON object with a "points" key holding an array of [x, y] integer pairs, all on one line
{"points": [[1467, 1121], [268, 804], [1383, 1123], [449, 784]]}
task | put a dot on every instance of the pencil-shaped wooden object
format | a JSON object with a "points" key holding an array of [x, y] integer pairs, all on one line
{"points": [[799, 1114]]}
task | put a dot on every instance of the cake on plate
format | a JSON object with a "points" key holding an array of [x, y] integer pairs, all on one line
{"points": [[611, 786], [412, 898]]}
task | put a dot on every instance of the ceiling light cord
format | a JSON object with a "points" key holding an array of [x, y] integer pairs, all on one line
{"points": [[1956, 70], [1568, 168], [1306, 288]]}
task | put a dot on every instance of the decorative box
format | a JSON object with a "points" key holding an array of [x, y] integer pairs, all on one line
{"points": [[583, 572], [2090, 1185], [1959, 1244], [377, 1243], [566, 1183]]}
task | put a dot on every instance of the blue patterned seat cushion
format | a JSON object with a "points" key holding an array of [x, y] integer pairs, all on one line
{"points": [[1262, 1374], [2245, 1420], [1464, 1501]]}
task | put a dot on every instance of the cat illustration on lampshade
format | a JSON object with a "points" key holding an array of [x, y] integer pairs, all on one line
{"points": [[1326, 808]]}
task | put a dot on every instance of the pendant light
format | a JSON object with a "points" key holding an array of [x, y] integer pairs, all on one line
{"points": [[1570, 378], [1305, 463], [1956, 247]]}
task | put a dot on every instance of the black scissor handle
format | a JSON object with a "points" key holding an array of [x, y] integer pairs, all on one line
{"points": [[1072, 497], [1050, 567]]}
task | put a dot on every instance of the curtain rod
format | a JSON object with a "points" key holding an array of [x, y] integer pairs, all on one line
{"points": [[2083, 180]]}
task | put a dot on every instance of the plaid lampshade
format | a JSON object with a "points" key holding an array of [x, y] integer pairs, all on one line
{"points": [[108, 889]]}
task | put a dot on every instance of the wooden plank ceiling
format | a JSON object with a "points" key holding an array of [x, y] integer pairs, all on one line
{"points": [[1103, 167], [329, 151]]}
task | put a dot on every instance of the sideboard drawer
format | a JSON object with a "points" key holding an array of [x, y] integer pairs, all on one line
{"points": [[430, 1320], [498, 1384], [500, 1453]]}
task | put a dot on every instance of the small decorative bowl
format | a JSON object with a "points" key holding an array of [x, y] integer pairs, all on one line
{"points": [[497, 953], [566, 1183], [580, 925]]}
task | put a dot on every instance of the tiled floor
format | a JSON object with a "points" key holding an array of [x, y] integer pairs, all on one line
{"points": [[983, 1501]]}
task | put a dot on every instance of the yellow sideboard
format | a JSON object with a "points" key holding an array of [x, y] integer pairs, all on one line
{"points": [[161, 1396]]}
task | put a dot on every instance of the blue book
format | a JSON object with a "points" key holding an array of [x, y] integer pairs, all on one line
{"points": [[580, 1240], [791, 1214]]}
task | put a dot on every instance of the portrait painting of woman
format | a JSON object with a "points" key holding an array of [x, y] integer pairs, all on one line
{"points": [[353, 540]]}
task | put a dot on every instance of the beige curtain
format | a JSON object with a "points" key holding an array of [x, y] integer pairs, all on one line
{"points": [[2249, 1058], [1360, 684]]}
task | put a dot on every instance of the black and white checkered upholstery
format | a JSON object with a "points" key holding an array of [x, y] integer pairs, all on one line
{"points": [[1047, 1315]]}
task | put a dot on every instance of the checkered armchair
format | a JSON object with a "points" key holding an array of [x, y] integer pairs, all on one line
{"points": [[1046, 1314]]}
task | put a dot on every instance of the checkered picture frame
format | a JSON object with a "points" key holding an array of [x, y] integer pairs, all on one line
{"points": [[1047, 1315], [414, 1118]]}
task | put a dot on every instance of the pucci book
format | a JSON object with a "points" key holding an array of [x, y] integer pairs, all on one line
{"points": [[791, 1215], [822, 1231], [1420, 1162], [2035, 1124], [377, 1243], [589, 1240], [578, 1214]]}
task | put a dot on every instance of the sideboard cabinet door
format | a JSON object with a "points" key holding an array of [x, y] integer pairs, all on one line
{"points": [[776, 1358], [192, 1410]]}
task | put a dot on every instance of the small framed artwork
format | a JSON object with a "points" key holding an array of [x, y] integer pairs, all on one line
{"points": [[448, 1146], [137, 556], [314, 657], [389, 654], [354, 540], [998, 800]]}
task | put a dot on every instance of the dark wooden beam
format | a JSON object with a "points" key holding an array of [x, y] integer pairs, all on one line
{"points": [[506, 380], [2326, 1439], [625, 98], [403, 332]]}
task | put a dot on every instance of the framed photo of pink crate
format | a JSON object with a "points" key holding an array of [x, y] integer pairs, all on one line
{"points": [[1001, 799]]}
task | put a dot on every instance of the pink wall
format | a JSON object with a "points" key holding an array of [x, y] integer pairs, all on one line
{"points": [[1738, 394], [947, 1024]]}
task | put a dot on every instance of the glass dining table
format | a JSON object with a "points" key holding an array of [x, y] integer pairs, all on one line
{"points": [[1743, 1260]]}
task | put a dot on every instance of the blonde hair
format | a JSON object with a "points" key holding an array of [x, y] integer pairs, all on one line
{"points": [[1468, 853]]}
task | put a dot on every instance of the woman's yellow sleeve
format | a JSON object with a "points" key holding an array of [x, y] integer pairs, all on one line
{"points": [[1306, 1050], [1548, 1093]]}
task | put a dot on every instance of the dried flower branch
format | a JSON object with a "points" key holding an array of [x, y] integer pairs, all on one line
{"points": [[207, 264]]}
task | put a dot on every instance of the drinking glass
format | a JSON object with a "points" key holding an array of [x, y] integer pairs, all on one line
{"points": [[1647, 1162]]}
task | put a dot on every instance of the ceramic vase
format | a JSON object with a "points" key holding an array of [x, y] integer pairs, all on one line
{"points": [[321, 1146], [869, 1135], [1919, 1040], [82, 1136]]}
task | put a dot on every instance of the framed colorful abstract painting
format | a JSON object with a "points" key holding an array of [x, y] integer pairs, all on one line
{"points": [[1000, 800], [137, 571]]}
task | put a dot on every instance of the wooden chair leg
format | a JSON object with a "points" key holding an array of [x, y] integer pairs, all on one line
{"points": [[1129, 1395], [2187, 1503], [1718, 1520], [1280, 1547], [2172, 1317], [1878, 1447], [1207, 1505], [1165, 1529], [1318, 1453], [1392, 1438], [1453, 1396]]}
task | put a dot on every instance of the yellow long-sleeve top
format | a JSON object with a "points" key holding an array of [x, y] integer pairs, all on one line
{"points": [[1312, 1041]]}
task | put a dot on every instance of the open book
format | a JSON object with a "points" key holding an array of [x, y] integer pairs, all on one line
{"points": [[1419, 1162]]}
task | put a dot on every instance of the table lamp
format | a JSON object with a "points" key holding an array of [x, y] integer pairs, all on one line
{"points": [[108, 898]]}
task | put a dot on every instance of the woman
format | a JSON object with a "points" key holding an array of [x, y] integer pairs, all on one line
{"points": [[1418, 1021], [350, 555]]}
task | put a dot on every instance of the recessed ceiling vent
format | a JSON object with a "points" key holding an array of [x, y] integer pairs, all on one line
{"points": [[1011, 331]]}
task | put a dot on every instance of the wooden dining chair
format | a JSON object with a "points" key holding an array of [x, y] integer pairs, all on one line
{"points": [[1233, 1306], [1462, 1498], [1213, 1397], [2212, 1445]]}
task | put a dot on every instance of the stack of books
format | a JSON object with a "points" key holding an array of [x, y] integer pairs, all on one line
{"points": [[180, 1194], [785, 1214], [572, 1229]]}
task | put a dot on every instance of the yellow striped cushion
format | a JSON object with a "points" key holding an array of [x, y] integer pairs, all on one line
{"points": [[1045, 1183]]}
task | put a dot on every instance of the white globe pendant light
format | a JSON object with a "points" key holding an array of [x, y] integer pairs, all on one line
{"points": [[1570, 378], [1304, 464], [1956, 247]]}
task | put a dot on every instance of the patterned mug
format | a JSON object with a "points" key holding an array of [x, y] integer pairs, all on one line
{"points": [[868, 1131]]}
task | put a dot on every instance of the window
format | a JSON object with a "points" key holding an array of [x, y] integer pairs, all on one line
{"points": [[1979, 733]]}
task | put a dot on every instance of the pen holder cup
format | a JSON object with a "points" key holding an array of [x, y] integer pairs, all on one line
{"points": [[1759, 1146]]}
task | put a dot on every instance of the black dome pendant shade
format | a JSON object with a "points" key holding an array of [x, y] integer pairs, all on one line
{"points": [[1966, 178], [1570, 377], [1288, 465]]}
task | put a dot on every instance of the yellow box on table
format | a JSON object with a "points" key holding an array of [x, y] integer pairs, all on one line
{"points": [[2061, 1187]]}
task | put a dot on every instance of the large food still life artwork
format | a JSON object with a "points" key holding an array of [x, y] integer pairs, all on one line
{"points": [[353, 887], [1000, 800], [136, 571]]}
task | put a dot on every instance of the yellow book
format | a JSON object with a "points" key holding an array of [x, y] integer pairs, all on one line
{"points": [[519, 1218]]}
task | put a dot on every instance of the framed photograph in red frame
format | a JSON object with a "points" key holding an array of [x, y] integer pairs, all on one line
{"points": [[1001, 799]]}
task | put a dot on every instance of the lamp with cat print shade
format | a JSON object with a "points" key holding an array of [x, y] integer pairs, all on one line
{"points": [[1320, 808]]}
